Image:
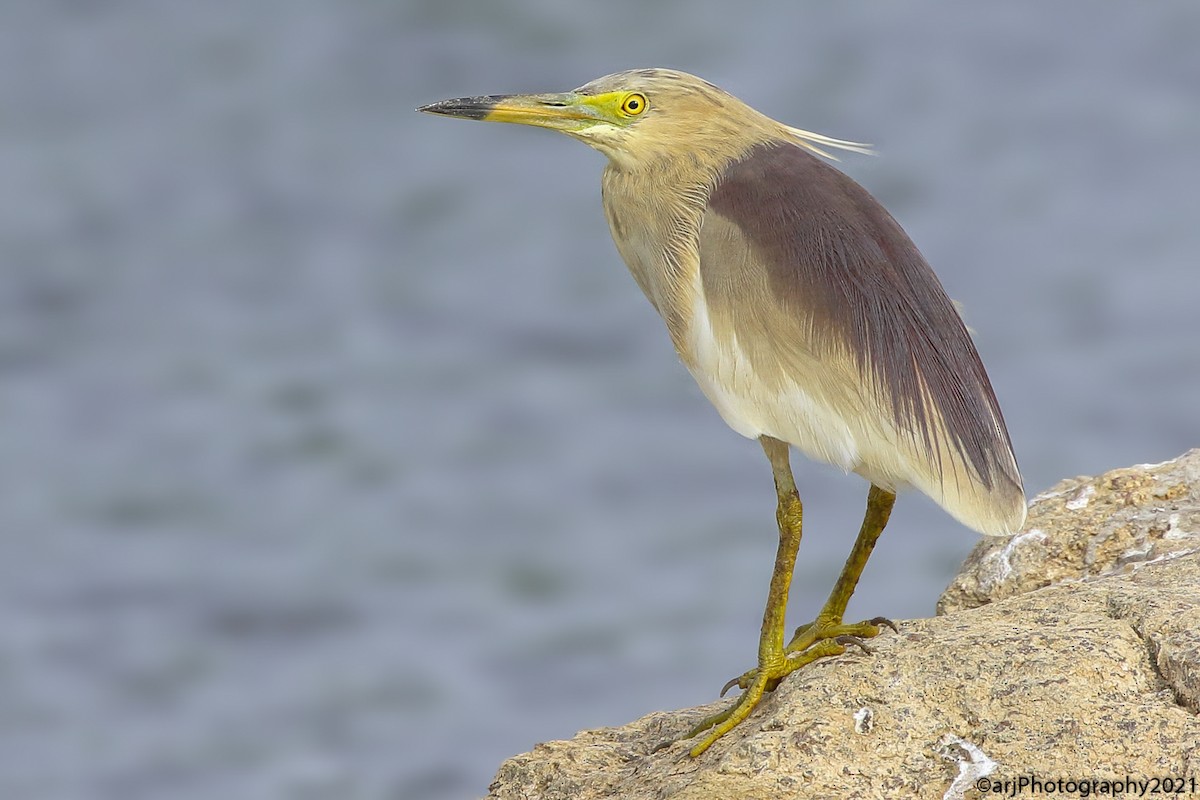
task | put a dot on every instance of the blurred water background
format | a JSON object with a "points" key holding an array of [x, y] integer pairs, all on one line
{"points": [[341, 458]]}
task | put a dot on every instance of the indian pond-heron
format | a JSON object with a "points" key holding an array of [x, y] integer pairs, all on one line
{"points": [[804, 312]]}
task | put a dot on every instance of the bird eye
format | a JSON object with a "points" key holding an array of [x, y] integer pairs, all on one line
{"points": [[634, 104]]}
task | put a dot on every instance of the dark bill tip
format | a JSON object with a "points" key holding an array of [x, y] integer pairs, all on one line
{"points": [[466, 107]]}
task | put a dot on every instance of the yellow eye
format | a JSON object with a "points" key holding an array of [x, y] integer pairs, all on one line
{"points": [[634, 104]]}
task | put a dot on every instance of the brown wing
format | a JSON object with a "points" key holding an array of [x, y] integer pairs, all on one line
{"points": [[832, 280]]}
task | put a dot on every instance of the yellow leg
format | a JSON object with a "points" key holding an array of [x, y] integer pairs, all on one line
{"points": [[772, 661], [825, 636], [828, 625]]}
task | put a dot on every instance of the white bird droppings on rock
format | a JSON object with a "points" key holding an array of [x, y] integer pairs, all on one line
{"points": [[973, 764], [1081, 498]]}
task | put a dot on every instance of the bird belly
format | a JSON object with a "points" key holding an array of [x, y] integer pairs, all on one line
{"points": [[753, 407]]}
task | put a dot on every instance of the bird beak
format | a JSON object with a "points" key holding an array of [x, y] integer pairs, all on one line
{"points": [[566, 111]]}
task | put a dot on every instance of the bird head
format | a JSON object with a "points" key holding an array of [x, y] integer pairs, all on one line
{"points": [[640, 116]]}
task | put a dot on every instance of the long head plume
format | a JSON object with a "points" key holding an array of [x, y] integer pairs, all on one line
{"points": [[816, 141]]}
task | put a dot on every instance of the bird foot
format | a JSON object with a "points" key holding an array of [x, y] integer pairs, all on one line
{"points": [[808, 636], [811, 642], [758, 682], [820, 629]]}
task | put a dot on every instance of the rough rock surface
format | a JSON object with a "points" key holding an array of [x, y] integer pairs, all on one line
{"points": [[1087, 527], [1096, 678]]}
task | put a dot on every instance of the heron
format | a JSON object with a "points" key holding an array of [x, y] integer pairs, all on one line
{"points": [[805, 314]]}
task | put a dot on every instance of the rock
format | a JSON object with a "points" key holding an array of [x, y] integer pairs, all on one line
{"points": [[1085, 528], [1095, 678]]}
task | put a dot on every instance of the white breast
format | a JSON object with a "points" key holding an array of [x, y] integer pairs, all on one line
{"points": [[751, 408]]}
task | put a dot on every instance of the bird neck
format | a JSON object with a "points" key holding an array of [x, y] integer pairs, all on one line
{"points": [[654, 211]]}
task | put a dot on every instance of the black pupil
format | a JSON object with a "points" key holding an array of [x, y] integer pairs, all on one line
{"points": [[633, 104]]}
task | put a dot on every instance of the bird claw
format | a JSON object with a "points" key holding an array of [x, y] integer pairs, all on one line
{"points": [[663, 745], [740, 682], [878, 621], [846, 641]]}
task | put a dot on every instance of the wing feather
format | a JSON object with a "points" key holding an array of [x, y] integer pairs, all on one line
{"points": [[809, 276]]}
